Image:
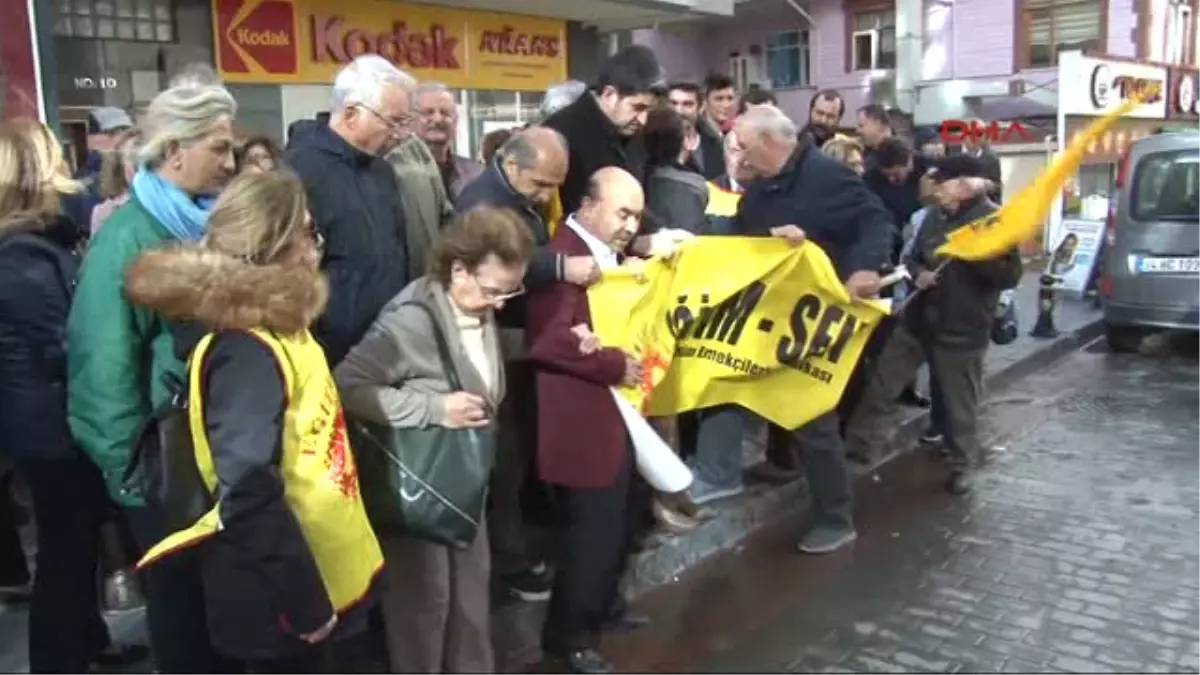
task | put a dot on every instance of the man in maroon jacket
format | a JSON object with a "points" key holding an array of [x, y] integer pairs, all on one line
{"points": [[583, 446]]}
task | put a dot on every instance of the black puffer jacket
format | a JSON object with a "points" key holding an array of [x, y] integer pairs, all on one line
{"points": [[37, 274], [355, 203]]}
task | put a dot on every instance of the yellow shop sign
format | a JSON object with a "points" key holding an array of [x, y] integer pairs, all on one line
{"points": [[307, 41]]}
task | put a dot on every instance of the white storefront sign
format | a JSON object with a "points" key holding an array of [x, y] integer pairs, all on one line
{"points": [[1092, 86]]}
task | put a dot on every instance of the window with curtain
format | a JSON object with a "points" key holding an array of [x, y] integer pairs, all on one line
{"points": [[1052, 26], [787, 59], [874, 40], [1181, 27], [138, 20]]}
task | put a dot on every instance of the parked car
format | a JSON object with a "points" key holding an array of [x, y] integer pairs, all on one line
{"points": [[1151, 277]]}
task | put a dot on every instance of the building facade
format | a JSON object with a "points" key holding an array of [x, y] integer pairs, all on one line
{"points": [[19, 61], [278, 57], [934, 59]]}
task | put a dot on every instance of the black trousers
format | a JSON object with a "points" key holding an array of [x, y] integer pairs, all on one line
{"points": [[69, 503], [508, 528], [175, 606], [594, 545], [14, 570]]}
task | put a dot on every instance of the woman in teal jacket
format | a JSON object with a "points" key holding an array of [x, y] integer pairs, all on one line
{"points": [[117, 353]]}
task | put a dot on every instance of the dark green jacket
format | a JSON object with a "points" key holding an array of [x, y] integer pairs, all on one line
{"points": [[958, 311], [116, 352]]}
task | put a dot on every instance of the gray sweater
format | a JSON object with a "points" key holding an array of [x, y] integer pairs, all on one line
{"points": [[395, 376], [679, 197]]}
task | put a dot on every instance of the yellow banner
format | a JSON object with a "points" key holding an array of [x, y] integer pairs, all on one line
{"points": [[743, 320], [1023, 215], [308, 41]]}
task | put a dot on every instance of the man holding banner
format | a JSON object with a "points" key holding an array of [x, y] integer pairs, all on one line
{"points": [[801, 194], [583, 446]]}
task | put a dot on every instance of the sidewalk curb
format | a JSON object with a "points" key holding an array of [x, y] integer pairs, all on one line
{"points": [[764, 505], [910, 428]]}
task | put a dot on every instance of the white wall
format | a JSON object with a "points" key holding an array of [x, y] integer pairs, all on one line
{"points": [[303, 101]]}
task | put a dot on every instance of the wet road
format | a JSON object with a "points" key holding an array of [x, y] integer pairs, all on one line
{"points": [[1076, 552]]}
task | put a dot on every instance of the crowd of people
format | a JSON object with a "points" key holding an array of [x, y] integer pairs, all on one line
{"points": [[369, 264]]}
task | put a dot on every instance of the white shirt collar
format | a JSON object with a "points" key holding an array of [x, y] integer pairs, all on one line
{"points": [[605, 257]]}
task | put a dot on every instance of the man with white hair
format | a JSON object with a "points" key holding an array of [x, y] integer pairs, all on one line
{"points": [[798, 193], [437, 119], [354, 198]]}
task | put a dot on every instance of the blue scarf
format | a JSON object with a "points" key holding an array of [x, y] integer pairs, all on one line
{"points": [[185, 218]]}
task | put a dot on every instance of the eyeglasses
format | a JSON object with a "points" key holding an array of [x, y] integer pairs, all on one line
{"points": [[400, 127], [497, 294]]}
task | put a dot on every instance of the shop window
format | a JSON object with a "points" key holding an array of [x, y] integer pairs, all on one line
{"points": [[1052, 26], [788, 59], [1181, 33], [140, 20], [489, 110], [873, 40]]}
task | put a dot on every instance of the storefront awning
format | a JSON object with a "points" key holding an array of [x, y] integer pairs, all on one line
{"points": [[1007, 107]]}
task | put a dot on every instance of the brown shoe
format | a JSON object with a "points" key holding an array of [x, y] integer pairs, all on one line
{"points": [[767, 472], [671, 520]]}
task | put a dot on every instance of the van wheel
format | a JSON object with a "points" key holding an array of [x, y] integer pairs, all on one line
{"points": [[1123, 339]]}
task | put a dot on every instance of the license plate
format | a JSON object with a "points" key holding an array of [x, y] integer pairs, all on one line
{"points": [[1169, 265]]}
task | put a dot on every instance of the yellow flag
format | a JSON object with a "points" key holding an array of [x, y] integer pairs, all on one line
{"points": [[1023, 215], [553, 213], [751, 321]]}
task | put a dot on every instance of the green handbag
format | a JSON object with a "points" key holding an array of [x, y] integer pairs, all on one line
{"points": [[429, 483]]}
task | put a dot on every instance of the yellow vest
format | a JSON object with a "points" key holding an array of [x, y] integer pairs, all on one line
{"points": [[722, 202], [320, 480]]}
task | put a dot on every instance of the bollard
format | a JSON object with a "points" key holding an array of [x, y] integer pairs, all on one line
{"points": [[1047, 299]]}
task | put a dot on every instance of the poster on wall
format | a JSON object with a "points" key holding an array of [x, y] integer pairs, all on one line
{"points": [[1075, 255]]}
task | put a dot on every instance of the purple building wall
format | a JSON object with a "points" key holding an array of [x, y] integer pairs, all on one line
{"points": [[964, 40]]}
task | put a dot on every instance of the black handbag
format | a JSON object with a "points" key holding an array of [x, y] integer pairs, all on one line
{"points": [[431, 482], [162, 469]]}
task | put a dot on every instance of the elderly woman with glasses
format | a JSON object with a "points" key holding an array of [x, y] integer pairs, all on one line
{"points": [[436, 605]]}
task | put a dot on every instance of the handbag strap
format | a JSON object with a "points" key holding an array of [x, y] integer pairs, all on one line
{"points": [[443, 346]]}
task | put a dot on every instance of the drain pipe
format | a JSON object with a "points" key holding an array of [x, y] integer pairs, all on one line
{"points": [[802, 12]]}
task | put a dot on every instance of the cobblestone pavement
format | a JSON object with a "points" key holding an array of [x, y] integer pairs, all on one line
{"points": [[1077, 551]]}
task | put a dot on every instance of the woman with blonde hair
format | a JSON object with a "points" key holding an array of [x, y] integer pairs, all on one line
{"points": [[37, 272], [847, 150], [286, 553], [119, 355], [116, 175], [437, 609]]}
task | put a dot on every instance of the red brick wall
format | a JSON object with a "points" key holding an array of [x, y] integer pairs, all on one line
{"points": [[16, 61]]}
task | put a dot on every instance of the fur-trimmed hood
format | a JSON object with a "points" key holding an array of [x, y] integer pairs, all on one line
{"points": [[221, 292]]}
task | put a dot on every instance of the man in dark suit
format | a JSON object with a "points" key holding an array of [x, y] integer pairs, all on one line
{"points": [[603, 126], [583, 447], [802, 194]]}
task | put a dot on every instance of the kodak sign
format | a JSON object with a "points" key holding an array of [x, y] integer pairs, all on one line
{"points": [[307, 41]]}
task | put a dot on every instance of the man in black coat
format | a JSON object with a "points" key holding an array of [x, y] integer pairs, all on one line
{"points": [[825, 112], [354, 198], [802, 194], [602, 126], [523, 176], [702, 139]]}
